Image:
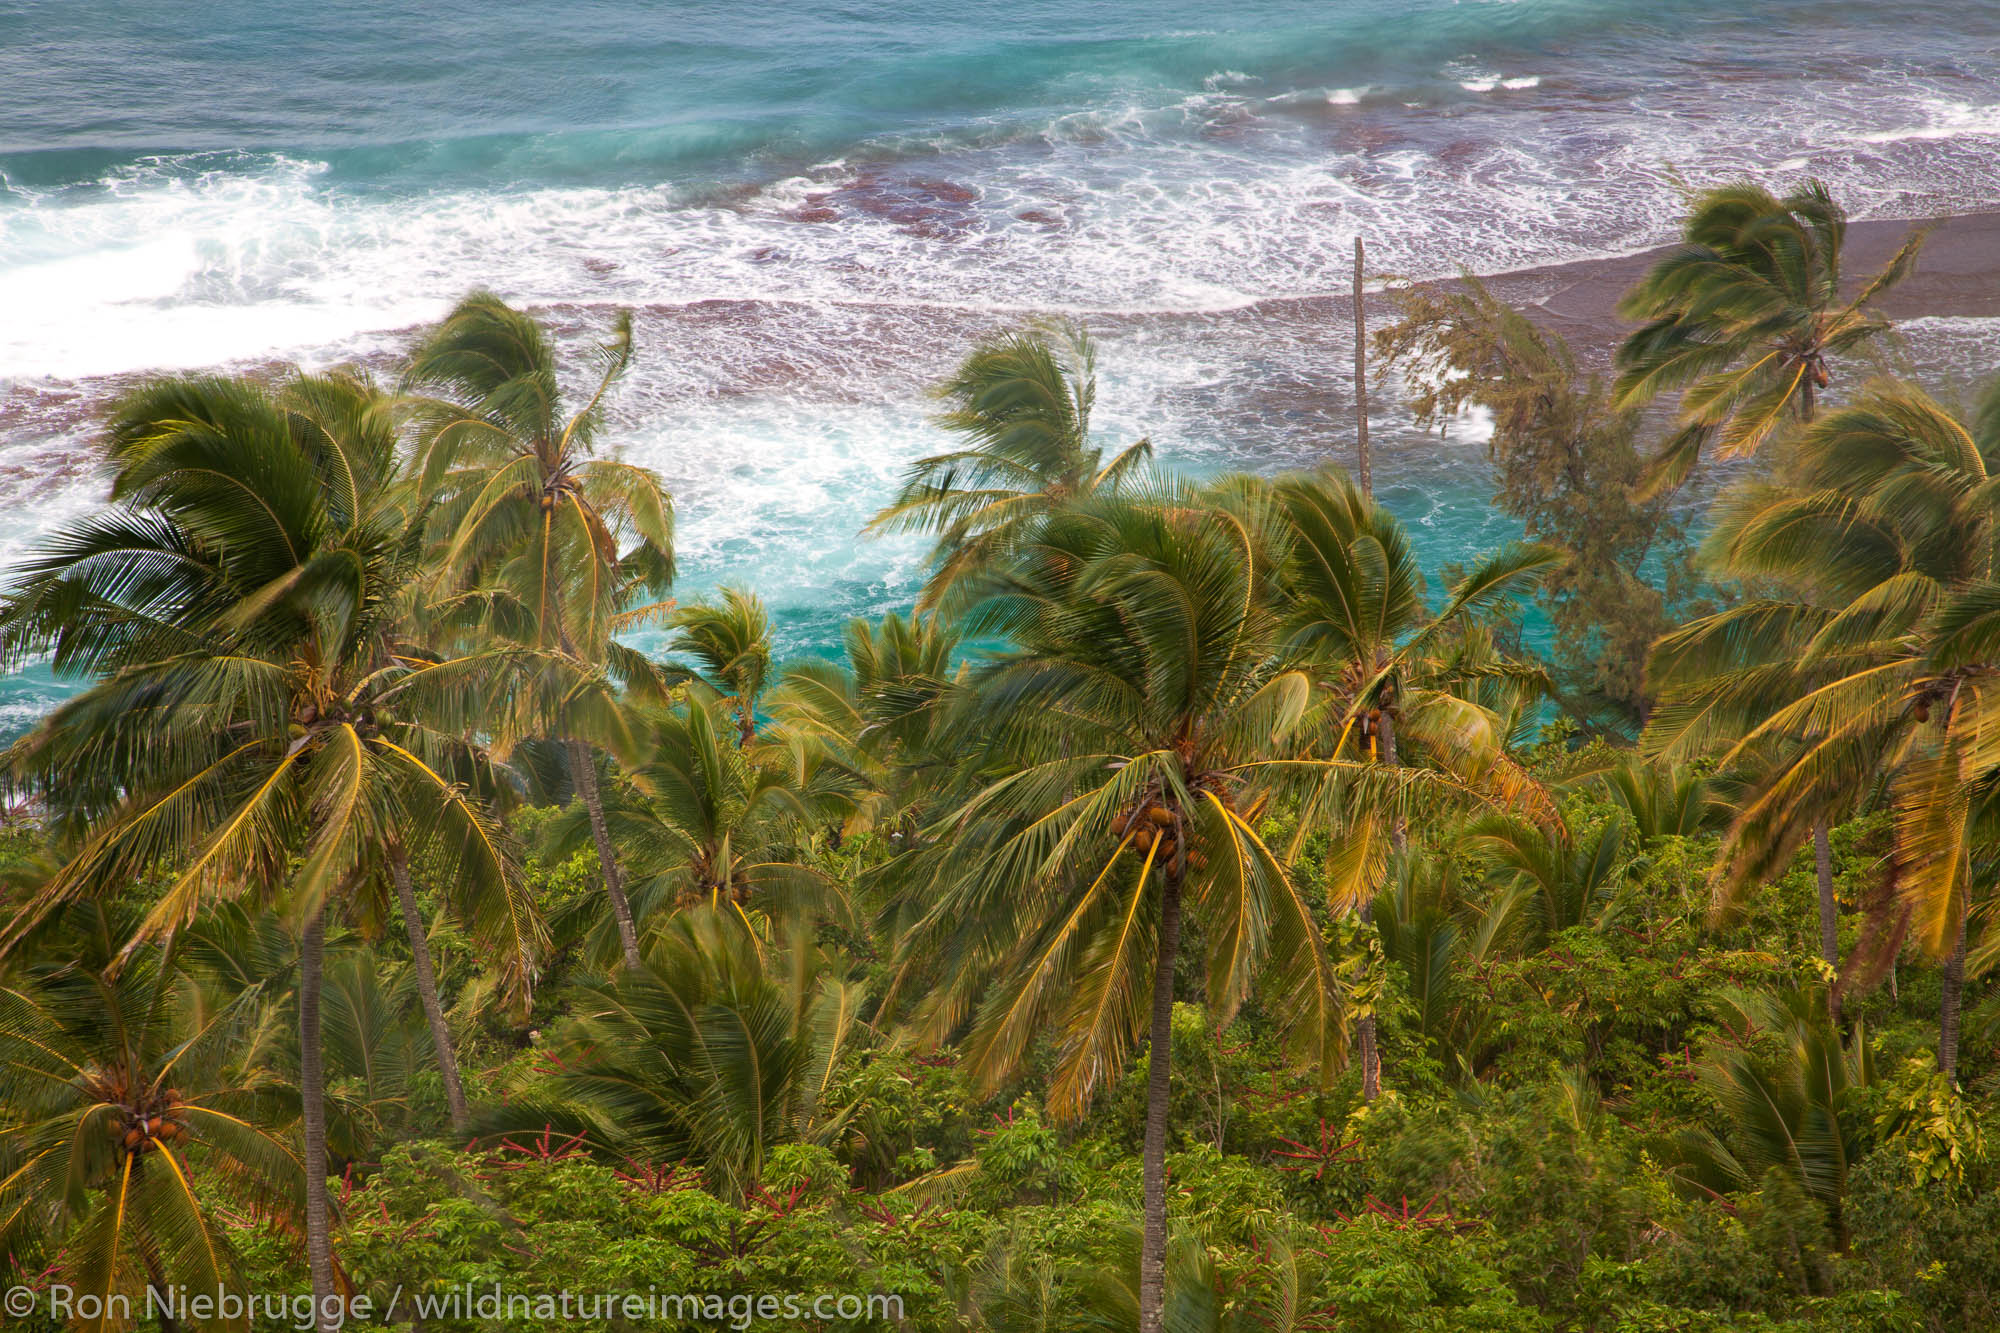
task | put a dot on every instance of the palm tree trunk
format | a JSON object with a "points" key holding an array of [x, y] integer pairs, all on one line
{"points": [[1159, 1064], [1954, 998], [583, 773], [1364, 1038], [157, 1281], [1364, 1028], [427, 990], [1361, 379], [583, 776], [312, 1097], [1829, 912]]}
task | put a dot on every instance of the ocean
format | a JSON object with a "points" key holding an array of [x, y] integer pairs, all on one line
{"points": [[813, 209]]}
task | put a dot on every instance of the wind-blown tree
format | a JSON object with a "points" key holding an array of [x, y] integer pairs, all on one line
{"points": [[875, 717], [376, 1040], [1873, 658], [1115, 756], [1797, 1112], [1440, 929], [122, 1126], [1745, 319], [374, 1052], [259, 724], [546, 543], [1664, 800], [731, 643], [1394, 703], [1021, 402], [704, 822], [1569, 879], [717, 1049]]}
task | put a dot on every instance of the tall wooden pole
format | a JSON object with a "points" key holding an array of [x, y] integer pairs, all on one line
{"points": [[1361, 377]]}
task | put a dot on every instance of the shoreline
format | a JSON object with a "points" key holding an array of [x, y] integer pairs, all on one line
{"points": [[1957, 276]]}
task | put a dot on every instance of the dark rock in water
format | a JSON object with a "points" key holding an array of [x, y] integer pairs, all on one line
{"points": [[922, 207]]}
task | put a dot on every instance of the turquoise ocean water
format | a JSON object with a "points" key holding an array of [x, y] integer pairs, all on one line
{"points": [[811, 209]]}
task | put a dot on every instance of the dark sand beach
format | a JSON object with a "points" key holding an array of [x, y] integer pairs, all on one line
{"points": [[1957, 276]]}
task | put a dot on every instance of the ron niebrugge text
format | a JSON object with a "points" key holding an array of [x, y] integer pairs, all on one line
{"points": [[737, 1311]]}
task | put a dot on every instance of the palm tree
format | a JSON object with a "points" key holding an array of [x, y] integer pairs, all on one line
{"points": [[1796, 1113], [876, 717], [1663, 800], [531, 524], [717, 1049], [1744, 318], [1875, 659], [259, 720], [705, 822], [120, 1123], [1115, 757], [1198, 1296], [1571, 880], [732, 645], [1397, 701], [1021, 402], [375, 1036]]}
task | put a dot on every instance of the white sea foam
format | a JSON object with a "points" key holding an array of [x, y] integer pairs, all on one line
{"points": [[1196, 203], [1941, 118], [1486, 83]]}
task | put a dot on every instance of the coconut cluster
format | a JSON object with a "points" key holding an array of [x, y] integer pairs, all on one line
{"points": [[159, 1121], [1154, 825]]}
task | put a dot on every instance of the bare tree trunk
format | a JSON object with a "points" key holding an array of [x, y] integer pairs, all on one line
{"points": [[312, 1097], [1361, 378], [1954, 998], [1153, 1245], [427, 990], [583, 773], [1829, 912]]}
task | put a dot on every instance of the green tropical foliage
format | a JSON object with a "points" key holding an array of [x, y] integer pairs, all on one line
{"points": [[703, 821], [731, 643], [1566, 463], [721, 1049], [1196, 916]]}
